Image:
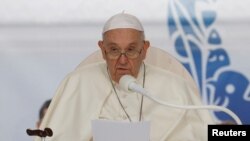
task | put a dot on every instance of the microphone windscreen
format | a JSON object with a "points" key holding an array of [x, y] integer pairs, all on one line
{"points": [[125, 81], [48, 131], [37, 132], [29, 132]]}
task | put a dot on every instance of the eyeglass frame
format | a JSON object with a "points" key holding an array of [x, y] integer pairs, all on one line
{"points": [[123, 53]]}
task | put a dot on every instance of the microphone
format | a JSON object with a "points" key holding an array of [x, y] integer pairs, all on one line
{"points": [[128, 83], [41, 133], [49, 132]]}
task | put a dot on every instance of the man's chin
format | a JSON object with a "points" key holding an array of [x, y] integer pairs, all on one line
{"points": [[119, 75], [124, 73]]}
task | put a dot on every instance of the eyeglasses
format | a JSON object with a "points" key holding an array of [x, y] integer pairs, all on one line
{"points": [[115, 53]]}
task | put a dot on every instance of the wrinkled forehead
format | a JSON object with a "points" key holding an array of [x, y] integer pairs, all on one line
{"points": [[123, 36]]}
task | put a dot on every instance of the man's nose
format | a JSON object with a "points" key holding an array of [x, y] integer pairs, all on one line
{"points": [[123, 59]]}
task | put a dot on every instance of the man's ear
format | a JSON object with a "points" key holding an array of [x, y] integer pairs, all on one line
{"points": [[145, 48], [100, 44]]}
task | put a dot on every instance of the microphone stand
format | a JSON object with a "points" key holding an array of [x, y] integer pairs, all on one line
{"points": [[128, 83], [134, 87]]}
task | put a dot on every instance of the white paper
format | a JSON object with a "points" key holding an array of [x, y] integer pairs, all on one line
{"points": [[107, 130]]}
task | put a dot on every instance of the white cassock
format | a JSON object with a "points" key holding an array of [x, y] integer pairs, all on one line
{"points": [[87, 94]]}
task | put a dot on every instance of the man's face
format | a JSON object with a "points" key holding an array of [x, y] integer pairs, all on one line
{"points": [[123, 40]]}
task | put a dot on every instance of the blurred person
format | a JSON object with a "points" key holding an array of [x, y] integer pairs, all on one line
{"points": [[43, 111], [93, 92]]}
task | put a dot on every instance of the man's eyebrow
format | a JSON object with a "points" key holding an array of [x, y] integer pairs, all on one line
{"points": [[115, 44]]}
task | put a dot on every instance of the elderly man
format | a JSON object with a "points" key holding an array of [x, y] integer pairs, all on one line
{"points": [[92, 92]]}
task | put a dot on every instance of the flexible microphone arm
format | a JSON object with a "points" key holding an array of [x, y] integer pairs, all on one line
{"points": [[128, 83]]}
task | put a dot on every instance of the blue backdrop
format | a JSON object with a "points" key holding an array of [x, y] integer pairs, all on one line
{"points": [[199, 45]]}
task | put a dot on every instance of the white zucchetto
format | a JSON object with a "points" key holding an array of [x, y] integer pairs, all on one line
{"points": [[123, 20]]}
